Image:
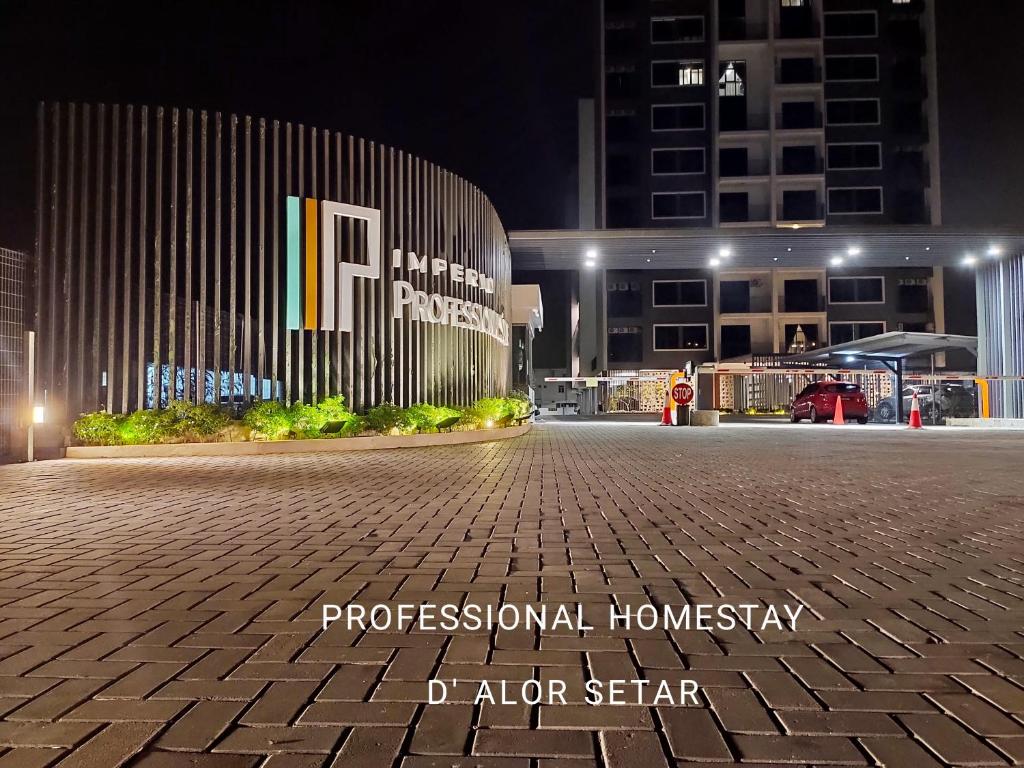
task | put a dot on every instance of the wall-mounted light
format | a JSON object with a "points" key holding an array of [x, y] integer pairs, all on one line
{"points": [[788, 250], [592, 254], [836, 261], [714, 262], [853, 250], [969, 260], [38, 414], [724, 253], [995, 251]]}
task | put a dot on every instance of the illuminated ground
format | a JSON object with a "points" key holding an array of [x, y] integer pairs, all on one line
{"points": [[166, 612]]}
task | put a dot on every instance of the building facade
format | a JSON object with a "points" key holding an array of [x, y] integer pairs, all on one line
{"points": [[753, 113], [12, 379], [213, 257], [767, 183]]}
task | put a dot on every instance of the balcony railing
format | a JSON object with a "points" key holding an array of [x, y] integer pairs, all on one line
{"points": [[747, 305], [744, 123], [793, 77], [737, 28], [782, 168], [751, 214], [797, 122], [802, 304], [752, 168], [800, 212]]}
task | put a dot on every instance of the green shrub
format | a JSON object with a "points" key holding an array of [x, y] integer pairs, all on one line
{"points": [[99, 428], [195, 422], [388, 417], [269, 419], [424, 417], [486, 412], [518, 404], [152, 425]]}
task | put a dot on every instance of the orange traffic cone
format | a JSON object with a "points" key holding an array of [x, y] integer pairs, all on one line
{"points": [[915, 414], [837, 418], [666, 414]]}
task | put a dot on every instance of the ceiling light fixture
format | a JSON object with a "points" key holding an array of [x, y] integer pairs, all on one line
{"points": [[725, 253], [714, 262], [995, 250], [836, 261], [970, 260], [592, 254]]}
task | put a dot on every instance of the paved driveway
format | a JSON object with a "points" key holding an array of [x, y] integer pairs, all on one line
{"points": [[167, 612]]}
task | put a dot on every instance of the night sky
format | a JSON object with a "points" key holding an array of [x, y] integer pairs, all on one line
{"points": [[486, 89]]}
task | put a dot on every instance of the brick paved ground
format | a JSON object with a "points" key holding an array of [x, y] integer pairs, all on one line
{"points": [[165, 613]]}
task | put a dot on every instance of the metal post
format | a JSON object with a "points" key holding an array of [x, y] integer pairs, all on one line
{"points": [[899, 390], [30, 353]]}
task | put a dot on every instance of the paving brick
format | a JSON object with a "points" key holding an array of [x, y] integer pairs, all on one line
{"points": [[531, 743], [366, 747], [192, 608], [442, 730], [111, 747], [632, 749], [949, 741]]}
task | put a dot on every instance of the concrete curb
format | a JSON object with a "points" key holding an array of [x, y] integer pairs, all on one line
{"points": [[334, 445]]}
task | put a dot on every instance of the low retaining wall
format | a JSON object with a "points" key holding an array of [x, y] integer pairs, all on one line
{"points": [[322, 445], [985, 423]]}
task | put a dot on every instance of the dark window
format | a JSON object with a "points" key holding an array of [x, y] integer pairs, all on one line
{"points": [[840, 333], [677, 205], [800, 296], [621, 126], [797, 70], [735, 295], [853, 24], [677, 161], [732, 161], [803, 159], [677, 29], [625, 345], [842, 156], [621, 170], [912, 298], [621, 84], [799, 114], [852, 111], [623, 212], [735, 341], [624, 298], [855, 290], [669, 73], [671, 293], [851, 67], [796, 20], [907, 117], [854, 200], [620, 38], [677, 117], [733, 206], [673, 337], [800, 205]]}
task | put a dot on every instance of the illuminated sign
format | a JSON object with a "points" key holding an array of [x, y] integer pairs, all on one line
{"points": [[314, 271]]}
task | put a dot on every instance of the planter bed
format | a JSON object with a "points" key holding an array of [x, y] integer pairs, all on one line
{"points": [[319, 445]]}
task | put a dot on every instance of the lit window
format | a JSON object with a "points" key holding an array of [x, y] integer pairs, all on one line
{"points": [[793, 3], [691, 74], [731, 82], [901, 2]]}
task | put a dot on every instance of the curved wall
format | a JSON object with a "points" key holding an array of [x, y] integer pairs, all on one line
{"points": [[241, 257]]}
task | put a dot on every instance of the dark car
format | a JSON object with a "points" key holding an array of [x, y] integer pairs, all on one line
{"points": [[949, 399], [817, 402]]}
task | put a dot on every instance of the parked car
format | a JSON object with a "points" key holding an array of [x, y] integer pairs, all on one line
{"points": [[950, 399], [817, 402]]}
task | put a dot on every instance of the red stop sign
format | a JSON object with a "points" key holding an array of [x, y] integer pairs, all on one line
{"points": [[682, 393]]}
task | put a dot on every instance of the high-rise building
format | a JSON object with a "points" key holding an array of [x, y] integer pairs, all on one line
{"points": [[767, 113]]}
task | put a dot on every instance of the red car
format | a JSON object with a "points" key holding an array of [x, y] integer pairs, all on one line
{"points": [[817, 402]]}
